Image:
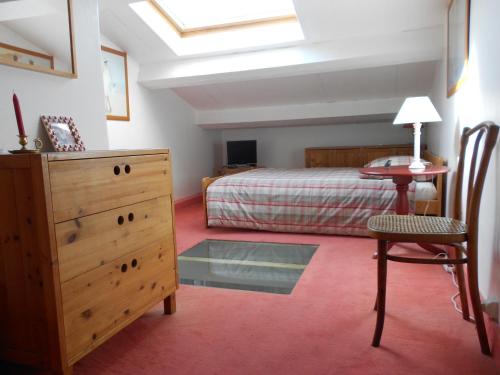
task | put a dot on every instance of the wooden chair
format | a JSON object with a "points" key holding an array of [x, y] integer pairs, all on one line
{"points": [[441, 230]]}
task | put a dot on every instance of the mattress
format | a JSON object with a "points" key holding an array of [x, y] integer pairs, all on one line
{"points": [[308, 200]]}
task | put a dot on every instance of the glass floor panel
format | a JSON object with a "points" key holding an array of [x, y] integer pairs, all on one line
{"points": [[258, 266]]}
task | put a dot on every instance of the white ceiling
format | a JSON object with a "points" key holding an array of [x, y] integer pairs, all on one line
{"points": [[331, 19], [381, 82], [321, 20], [354, 51]]}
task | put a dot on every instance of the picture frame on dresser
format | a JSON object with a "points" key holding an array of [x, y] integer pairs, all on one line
{"points": [[63, 133]]}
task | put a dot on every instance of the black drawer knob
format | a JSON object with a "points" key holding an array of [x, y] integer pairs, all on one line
{"points": [[131, 216], [127, 169], [121, 220], [134, 263], [124, 267], [117, 170]]}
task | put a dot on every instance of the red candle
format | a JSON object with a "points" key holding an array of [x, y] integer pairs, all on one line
{"points": [[19, 117]]}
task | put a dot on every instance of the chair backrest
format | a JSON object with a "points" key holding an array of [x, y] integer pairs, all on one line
{"points": [[477, 173]]}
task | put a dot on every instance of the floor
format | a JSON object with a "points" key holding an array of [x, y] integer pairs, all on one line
{"points": [[324, 327]]}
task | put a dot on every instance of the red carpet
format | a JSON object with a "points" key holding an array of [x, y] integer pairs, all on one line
{"points": [[324, 327]]}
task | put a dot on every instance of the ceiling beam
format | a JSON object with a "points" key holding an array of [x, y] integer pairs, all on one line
{"points": [[360, 111], [352, 53]]}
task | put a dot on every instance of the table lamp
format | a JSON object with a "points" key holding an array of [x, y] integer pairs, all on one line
{"points": [[417, 110]]}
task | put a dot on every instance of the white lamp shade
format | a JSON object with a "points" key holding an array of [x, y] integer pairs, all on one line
{"points": [[417, 109]]}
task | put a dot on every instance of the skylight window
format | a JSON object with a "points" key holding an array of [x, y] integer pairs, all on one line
{"points": [[192, 27], [197, 15]]}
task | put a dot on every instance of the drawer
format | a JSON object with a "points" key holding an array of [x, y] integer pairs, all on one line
{"points": [[87, 186], [101, 302], [92, 241]]}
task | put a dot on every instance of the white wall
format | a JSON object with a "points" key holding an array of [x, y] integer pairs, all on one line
{"points": [[477, 100], [40, 93], [284, 147], [160, 119]]}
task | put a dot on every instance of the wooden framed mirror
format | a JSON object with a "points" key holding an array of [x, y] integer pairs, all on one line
{"points": [[38, 35]]}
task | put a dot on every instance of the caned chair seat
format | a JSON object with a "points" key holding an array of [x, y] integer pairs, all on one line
{"points": [[430, 229]]}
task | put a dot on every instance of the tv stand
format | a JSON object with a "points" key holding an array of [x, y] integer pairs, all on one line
{"points": [[233, 169]]}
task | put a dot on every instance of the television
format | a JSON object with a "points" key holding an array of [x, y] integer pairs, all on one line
{"points": [[242, 152]]}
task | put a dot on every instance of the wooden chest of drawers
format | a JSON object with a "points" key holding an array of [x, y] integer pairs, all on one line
{"points": [[87, 245]]}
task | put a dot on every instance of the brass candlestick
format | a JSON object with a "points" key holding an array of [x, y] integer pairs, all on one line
{"points": [[23, 141]]}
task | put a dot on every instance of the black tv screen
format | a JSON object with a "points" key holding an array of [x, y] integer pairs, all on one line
{"points": [[241, 152]]}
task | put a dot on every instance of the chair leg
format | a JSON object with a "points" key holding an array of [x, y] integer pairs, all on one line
{"points": [[461, 286], [376, 303], [382, 279], [476, 306]]}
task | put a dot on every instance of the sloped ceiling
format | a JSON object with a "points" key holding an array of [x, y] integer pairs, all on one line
{"points": [[321, 20], [354, 50], [348, 85]]}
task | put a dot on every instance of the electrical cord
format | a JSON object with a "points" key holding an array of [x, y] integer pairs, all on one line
{"points": [[449, 268], [428, 204]]}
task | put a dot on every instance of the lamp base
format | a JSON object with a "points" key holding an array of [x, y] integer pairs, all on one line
{"points": [[417, 165]]}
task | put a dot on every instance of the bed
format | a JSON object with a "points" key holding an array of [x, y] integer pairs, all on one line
{"points": [[328, 196]]}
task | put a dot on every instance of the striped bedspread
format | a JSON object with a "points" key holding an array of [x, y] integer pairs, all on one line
{"points": [[309, 200]]}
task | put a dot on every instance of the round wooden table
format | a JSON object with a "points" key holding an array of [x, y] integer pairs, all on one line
{"points": [[402, 176]]}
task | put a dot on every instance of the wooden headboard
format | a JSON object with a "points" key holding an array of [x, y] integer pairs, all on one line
{"points": [[351, 156]]}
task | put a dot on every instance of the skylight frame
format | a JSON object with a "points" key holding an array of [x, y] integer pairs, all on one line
{"points": [[191, 31], [231, 40]]}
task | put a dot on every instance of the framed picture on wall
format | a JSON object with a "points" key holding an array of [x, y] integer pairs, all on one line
{"points": [[115, 75], [458, 44]]}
